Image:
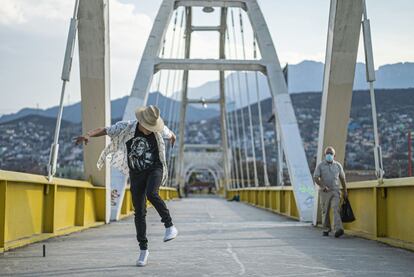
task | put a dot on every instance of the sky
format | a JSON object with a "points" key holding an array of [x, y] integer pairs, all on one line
{"points": [[33, 39]]}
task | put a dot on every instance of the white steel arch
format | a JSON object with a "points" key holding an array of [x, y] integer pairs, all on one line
{"points": [[200, 169], [269, 64], [343, 36]]}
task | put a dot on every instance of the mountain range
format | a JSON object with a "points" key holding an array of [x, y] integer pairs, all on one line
{"points": [[302, 77], [307, 76], [73, 113]]}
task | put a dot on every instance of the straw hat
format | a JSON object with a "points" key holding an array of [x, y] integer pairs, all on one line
{"points": [[149, 118]]}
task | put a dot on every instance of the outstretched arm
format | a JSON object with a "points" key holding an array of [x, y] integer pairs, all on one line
{"points": [[90, 134], [111, 131]]}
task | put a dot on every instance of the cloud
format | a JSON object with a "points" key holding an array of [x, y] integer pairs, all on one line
{"points": [[34, 38], [10, 13], [23, 11], [129, 32]]}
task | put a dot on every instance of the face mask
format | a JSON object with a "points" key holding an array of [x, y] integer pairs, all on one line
{"points": [[329, 158]]}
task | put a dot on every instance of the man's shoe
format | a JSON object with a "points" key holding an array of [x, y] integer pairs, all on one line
{"points": [[170, 233], [325, 233], [339, 233], [143, 258]]}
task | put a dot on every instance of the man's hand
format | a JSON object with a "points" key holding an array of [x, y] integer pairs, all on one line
{"points": [[345, 193], [98, 132], [173, 139], [325, 189], [81, 139]]}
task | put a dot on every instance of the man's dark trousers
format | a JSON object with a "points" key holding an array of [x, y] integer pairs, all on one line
{"points": [[145, 185]]}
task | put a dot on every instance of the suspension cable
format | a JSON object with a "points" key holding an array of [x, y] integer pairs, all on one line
{"points": [[158, 91], [170, 55], [175, 71], [67, 65], [236, 120], [370, 75], [173, 101], [231, 141], [241, 102], [256, 183], [162, 109], [167, 112], [235, 140], [175, 123], [259, 111], [178, 95], [230, 135]]}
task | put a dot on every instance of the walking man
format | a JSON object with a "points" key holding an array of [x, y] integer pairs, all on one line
{"points": [[137, 149], [327, 175]]}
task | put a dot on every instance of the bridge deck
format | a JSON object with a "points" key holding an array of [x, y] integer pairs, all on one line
{"points": [[217, 238]]}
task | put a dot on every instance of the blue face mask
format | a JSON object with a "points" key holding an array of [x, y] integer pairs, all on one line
{"points": [[329, 158]]}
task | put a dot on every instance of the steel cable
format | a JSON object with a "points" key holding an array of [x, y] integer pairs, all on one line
{"points": [[170, 55], [259, 111], [249, 110], [174, 97], [236, 120], [241, 102]]}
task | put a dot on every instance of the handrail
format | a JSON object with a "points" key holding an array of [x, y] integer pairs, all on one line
{"points": [[33, 209], [383, 211]]}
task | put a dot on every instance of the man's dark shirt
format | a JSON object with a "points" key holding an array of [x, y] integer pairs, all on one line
{"points": [[143, 152]]}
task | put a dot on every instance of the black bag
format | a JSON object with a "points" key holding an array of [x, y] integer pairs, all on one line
{"points": [[347, 215]]}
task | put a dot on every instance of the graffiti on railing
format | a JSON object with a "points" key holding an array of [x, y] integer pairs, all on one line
{"points": [[114, 196]]}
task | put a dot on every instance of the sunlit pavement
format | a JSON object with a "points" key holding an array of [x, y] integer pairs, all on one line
{"points": [[217, 238]]}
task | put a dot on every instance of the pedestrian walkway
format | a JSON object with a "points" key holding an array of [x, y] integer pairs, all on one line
{"points": [[217, 238]]}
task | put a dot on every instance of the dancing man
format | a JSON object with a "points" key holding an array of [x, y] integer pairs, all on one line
{"points": [[137, 148]]}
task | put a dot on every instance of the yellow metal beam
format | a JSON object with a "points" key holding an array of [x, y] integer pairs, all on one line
{"points": [[32, 209], [383, 212], [80, 207], [48, 208], [166, 193], [39, 179], [3, 191]]}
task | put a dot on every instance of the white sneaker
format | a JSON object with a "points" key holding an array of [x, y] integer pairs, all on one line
{"points": [[170, 233], [143, 258]]}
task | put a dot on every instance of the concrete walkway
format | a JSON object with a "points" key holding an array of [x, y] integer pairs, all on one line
{"points": [[217, 238]]}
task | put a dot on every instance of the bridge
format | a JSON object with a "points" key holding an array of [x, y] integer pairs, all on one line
{"points": [[217, 238], [274, 230]]}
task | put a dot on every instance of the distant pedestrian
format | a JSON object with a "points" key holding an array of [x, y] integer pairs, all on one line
{"points": [[327, 176], [186, 190], [137, 149]]}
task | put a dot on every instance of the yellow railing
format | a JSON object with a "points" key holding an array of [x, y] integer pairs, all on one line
{"points": [[127, 208], [383, 212], [276, 199], [33, 209]]}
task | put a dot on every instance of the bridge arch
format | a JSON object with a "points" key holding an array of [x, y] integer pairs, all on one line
{"points": [[201, 169]]}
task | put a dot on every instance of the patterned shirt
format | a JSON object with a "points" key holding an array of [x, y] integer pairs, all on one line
{"points": [[116, 151]]}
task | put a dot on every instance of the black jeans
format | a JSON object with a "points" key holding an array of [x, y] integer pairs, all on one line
{"points": [[145, 185]]}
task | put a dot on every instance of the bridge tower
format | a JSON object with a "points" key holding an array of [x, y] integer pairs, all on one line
{"points": [[268, 65]]}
